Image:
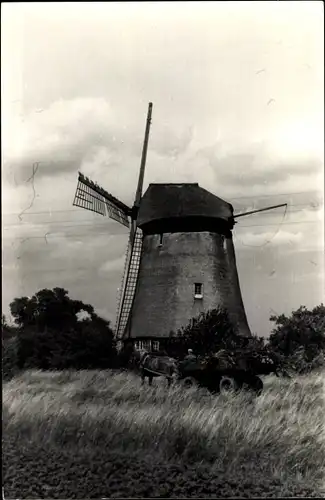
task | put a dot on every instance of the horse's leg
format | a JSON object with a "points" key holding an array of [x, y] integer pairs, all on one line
{"points": [[150, 379], [142, 377]]}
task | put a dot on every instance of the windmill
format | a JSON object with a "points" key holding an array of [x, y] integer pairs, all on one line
{"points": [[180, 258]]}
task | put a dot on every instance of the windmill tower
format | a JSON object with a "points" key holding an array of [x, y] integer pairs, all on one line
{"points": [[180, 258]]}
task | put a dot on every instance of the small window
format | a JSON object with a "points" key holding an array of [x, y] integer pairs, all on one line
{"points": [[198, 290], [160, 240], [142, 345], [155, 345], [146, 345], [138, 345]]}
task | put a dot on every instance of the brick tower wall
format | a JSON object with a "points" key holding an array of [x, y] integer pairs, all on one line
{"points": [[164, 299]]}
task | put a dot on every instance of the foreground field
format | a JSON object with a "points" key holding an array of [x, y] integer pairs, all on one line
{"points": [[99, 434]]}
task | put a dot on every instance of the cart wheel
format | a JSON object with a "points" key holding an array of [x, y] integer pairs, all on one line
{"points": [[256, 384], [228, 384], [189, 382]]}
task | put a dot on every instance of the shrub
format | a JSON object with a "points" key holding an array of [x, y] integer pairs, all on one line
{"points": [[204, 334], [302, 362], [9, 358], [300, 338], [303, 328], [50, 334], [82, 348]]}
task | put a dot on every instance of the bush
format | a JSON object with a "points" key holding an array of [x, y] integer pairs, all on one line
{"points": [[51, 336], [302, 362], [304, 328], [82, 348], [9, 358], [125, 356], [300, 338], [204, 334]]}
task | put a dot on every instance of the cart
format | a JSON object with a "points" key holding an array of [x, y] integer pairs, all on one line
{"points": [[227, 371]]}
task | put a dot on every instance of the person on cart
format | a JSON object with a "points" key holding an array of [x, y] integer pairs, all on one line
{"points": [[189, 361], [190, 357]]}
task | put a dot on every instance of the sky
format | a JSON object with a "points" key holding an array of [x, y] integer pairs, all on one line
{"points": [[238, 106]]}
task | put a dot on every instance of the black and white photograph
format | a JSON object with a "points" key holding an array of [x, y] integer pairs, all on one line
{"points": [[163, 317]]}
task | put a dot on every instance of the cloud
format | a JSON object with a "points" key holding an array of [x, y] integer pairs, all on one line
{"points": [[299, 231], [172, 144], [278, 281], [64, 135], [82, 134], [280, 238], [257, 165], [113, 265], [77, 263], [243, 169]]}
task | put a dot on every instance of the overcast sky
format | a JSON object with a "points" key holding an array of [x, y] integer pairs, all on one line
{"points": [[237, 89]]}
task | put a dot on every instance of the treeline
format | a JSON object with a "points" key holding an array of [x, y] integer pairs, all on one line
{"points": [[297, 341], [54, 332]]}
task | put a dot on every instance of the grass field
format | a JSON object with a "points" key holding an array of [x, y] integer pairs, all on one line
{"points": [[99, 434]]}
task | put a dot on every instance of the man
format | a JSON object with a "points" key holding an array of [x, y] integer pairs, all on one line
{"points": [[190, 357], [189, 361]]}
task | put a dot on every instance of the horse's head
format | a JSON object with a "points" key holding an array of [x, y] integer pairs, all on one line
{"points": [[172, 366], [137, 357]]}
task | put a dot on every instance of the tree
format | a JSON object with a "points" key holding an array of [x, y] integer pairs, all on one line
{"points": [[300, 338], [207, 333], [9, 349], [48, 309], [51, 335], [7, 330], [304, 328], [256, 342], [3, 321], [9, 357]]}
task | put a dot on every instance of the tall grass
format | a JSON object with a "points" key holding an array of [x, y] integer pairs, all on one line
{"points": [[280, 435]]}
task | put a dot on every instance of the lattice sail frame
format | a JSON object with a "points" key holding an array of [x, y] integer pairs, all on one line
{"points": [[120, 293], [129, 283], [92, 197]]}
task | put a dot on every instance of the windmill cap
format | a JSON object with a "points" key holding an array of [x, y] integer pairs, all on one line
{"points": [[171, 201]]}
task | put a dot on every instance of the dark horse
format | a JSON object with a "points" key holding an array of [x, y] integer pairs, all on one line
{"points": [[156, 365]]}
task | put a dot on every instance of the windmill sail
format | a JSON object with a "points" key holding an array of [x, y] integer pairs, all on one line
{"points": [[132, 262], [260, 210], [92, 197], [123, 283], [129, 283]]}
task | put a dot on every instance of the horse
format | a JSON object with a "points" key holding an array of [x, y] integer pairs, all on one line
{"points": [[154, 365]]}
